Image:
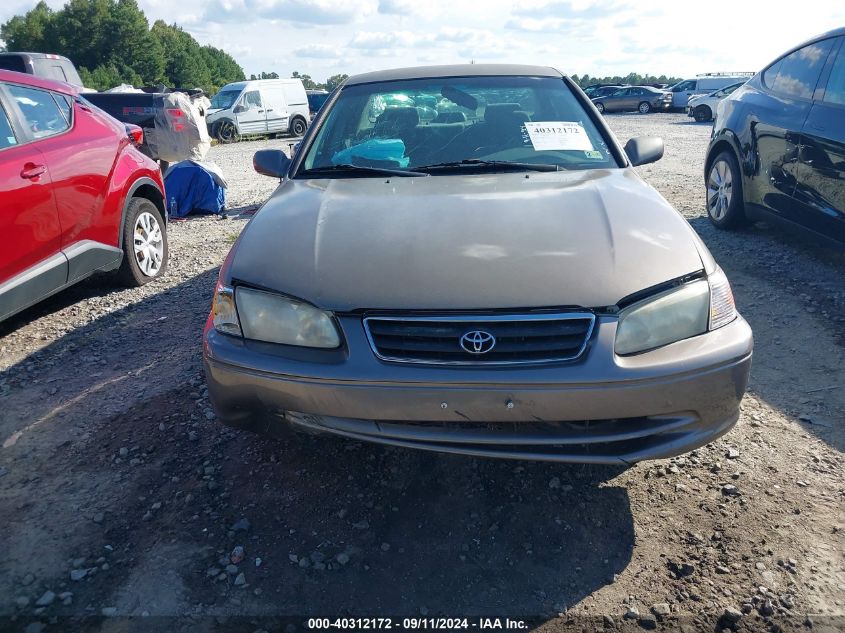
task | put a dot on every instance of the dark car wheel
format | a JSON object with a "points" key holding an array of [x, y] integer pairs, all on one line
{"points": [[644, 107], [702, 113], [227, 132], [298, 127], [600, 107], [724, 192], [144, 244]]}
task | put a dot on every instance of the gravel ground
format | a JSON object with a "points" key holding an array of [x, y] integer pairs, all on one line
{"points": [[121, 496]]}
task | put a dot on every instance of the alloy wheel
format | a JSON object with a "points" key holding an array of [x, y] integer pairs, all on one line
{"points": [[719, 189], [149, 244]]}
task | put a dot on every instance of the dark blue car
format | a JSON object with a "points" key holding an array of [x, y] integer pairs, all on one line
{"points": [[316, 99], [777, 150]]}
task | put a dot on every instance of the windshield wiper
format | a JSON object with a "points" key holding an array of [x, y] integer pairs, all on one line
{"points": [[478, 162], [383, 171]]}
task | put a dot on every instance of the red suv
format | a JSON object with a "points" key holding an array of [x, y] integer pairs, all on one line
{"points": [[76, 194]]}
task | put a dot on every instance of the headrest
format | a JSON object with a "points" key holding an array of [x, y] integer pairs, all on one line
{"points": [[450, 117], [500, 112], [398, 118]]}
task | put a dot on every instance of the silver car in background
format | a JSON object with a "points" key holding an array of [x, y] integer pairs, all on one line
{"points": [[642, 99], [703, 107], [501, 284]]}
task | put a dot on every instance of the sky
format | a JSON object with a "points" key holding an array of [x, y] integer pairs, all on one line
{"points": [[600, 37]]}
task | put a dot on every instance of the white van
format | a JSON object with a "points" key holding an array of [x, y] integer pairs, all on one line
{"points": [[703, 84], [264, 106]]}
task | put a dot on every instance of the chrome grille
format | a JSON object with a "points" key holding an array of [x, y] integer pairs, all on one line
{"points": [[519, 339]]}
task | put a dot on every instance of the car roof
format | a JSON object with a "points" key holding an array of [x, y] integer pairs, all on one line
{"points": [[453, 70], [38, 82], [240, 85], [33, 55]]}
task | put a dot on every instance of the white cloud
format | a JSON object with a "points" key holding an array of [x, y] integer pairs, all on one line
{"points": [[399, 7], [462, 35], [380, 40], [297, 11], [480, 55], [317, 51], [556, 8], [544, 25]]}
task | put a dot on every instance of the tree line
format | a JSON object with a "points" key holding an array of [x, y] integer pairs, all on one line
{"points": [[631, 79], [330, 84], [111, 42]]}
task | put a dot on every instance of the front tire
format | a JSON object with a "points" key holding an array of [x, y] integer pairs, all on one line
{"points": [[227, 132], [644, 107], [702, 113], [144, 244], [725, 206], [600, 107], [298, 127]]}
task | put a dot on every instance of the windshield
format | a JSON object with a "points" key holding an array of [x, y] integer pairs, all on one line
{"points": [[724, 92], [423, 122], [12, 62], [225, 99], [682, 86], [59, 69]]}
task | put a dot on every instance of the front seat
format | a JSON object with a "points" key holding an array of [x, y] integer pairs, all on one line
{"points": [[452, 116], [397, 123], [501, 129], [507, 120]]}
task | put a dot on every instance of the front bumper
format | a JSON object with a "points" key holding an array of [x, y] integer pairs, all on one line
{"points": [[600, 409]]}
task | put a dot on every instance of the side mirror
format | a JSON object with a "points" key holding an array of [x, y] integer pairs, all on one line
{"points": [[239, 108], [271, 162], [644, 149]]}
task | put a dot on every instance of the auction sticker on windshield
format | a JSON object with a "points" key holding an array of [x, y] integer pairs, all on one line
{"points": [[558, 135]]}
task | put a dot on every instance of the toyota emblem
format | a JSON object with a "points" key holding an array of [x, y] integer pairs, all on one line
{"points": [[478, 342]]}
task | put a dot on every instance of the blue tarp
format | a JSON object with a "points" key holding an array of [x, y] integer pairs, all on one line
{"points": [[377, 149], [193, 189]]}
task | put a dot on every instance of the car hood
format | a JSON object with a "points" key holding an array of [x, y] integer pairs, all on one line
{"points": [[585, 238]]}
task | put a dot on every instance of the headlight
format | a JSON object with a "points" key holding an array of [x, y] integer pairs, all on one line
{"points": [[674, 315], [273, 318], [223, 313], [677, 314]]}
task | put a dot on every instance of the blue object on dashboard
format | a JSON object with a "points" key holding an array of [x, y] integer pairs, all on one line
{"points": [[380, 149]]}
